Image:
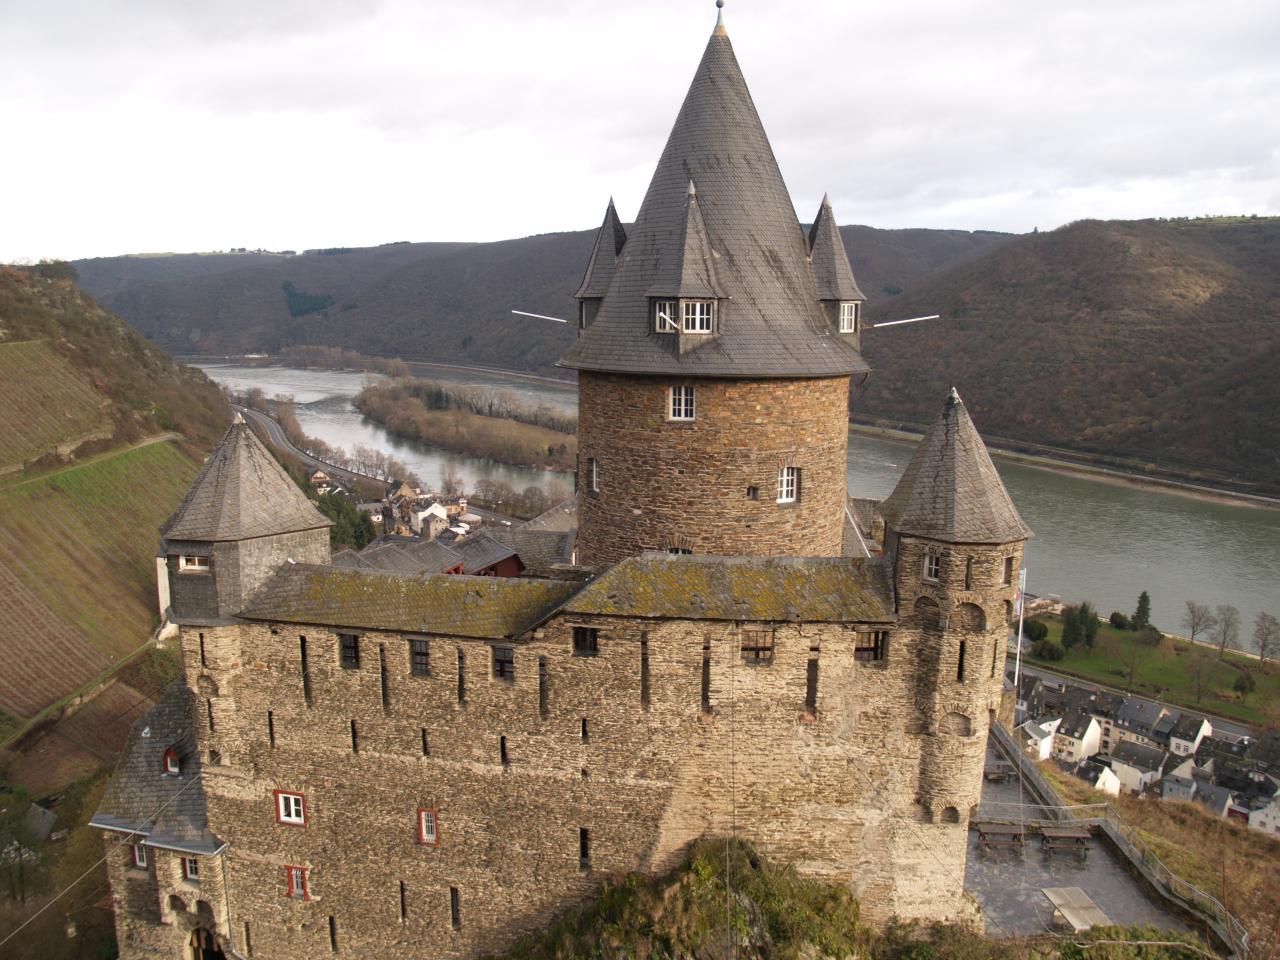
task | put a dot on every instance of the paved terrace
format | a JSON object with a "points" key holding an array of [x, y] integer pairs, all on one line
{"points": [[1008, 881]]}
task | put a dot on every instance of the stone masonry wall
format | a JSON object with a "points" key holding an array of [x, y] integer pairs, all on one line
{"points": [[685, 484], [858, 792]]}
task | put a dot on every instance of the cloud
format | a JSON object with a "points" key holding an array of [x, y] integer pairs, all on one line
{"points": [[149, 125]]}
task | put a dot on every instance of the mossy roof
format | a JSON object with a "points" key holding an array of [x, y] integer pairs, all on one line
{"points": [[808, 589], [454, 605]]}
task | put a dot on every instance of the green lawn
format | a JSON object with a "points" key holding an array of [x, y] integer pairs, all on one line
{"points": [[1163, 673]]}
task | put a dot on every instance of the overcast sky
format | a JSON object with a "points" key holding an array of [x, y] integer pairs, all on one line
{"points": [[155, 125]]}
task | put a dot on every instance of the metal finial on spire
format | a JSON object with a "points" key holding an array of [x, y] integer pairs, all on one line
{"points": [[692, 191], [954, 397], [720, 17]]}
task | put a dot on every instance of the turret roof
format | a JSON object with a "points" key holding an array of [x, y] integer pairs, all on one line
{"points": [[604, 255], [950, 490], [242, 493], [831, 268], [770, 323]]}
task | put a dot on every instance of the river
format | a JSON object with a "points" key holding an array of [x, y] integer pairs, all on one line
{"points": [[1095, 541]]}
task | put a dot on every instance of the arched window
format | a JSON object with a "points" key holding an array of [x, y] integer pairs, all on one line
{"points": [[950, 815]]}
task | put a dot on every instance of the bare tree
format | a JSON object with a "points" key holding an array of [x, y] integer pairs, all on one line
{"points": [[1226, 633], [1197, 620], [1199, 669], [1134, 653], [1266, 635], [451, 480]]}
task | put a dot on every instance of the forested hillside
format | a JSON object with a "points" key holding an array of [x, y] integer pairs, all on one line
{"points": [[423, 301], [1154, 340]]}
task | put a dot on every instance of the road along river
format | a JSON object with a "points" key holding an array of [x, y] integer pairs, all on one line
{"points": [[1095, 540]]}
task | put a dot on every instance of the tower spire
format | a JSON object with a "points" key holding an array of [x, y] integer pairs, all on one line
{"points": [[719, 30]]}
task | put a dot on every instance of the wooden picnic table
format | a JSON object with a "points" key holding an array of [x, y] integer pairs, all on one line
{"points": [[1000, 834], [1076, 908], [1075, 839], [998, 773]]}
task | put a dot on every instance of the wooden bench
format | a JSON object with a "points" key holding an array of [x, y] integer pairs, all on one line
{"points": [[1075, 907], [999, 773], [999, 835], [1072, 839]]}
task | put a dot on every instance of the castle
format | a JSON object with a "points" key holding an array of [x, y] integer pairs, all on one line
{"points": [[368, 764]]}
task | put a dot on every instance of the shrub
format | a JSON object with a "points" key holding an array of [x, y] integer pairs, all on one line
{"points": [[1035, 630], [1120, 621], [1047, 649]]}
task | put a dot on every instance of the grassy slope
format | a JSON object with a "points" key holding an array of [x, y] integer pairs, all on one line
{"points": [[734, 903], [82, 541], [1153, 340], [38, 413], [1163, 673]]}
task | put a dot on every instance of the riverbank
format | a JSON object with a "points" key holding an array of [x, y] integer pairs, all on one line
{"points": [[1111, 475]]}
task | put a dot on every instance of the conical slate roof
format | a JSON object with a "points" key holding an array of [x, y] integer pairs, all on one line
{"points": [[687, 268], [950, 490], [242, 493], [604, 255], [831, 270], [770, 322]]}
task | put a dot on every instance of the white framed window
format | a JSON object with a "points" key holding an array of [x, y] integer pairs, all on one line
{"points": [[172, 764], [428, 828], [681, 404], [696, 316], [593, 474], [193, 563], [932, 565], [850, 316], [788, 484], [191, 869], [664, 316], [138, 856], [291, 808]]}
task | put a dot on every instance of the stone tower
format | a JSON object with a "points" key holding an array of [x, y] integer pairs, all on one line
{"points": [[954, 540], [716, 345]]}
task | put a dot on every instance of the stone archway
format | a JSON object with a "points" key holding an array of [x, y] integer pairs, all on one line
{"points": [[204, 945]]}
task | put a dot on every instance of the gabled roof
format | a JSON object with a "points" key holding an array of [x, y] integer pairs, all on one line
{"points": [[538, 550], [241, 493], [610, 239], [481, 552], [1138, 756], [453, 605], [770, 323], [687, 267], [563, 518], [950, 490], [831, 270], [168, 811], [811, 589]]}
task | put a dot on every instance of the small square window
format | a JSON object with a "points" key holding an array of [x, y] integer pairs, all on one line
{"points": [[191, 563], [788, 484], [296, 883], [870, 647], [680, 403], [586, 641], [291, 808], [504, 664], [697, 316], [664, 316], [932, 566], [349, 651], [138, 856], [757, 647], [191, 869], [428, 828], [850, 316], [419, 658]]}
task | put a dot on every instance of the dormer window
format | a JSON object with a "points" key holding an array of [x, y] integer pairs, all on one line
{"points": [[664, 316], [193, 563], [850, 316], [171, 764], [697, 316]]}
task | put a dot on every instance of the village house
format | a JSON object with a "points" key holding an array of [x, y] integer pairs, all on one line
{"points": [[1135, 766], [1077, 738]]}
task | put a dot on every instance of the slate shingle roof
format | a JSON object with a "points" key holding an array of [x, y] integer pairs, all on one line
{"points": [[241, 493], [451, 604], [813, 589], [831, 270], [481, 552], [169, 811], [950, 490], [771, 324], [563, 517], [538, 550], [1136, 755], [604, 255]]}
